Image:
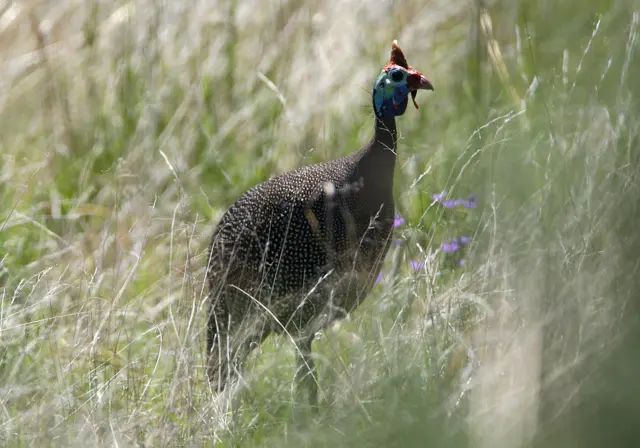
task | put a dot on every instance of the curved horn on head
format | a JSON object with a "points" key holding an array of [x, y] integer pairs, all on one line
{"points": [[397, 56]]}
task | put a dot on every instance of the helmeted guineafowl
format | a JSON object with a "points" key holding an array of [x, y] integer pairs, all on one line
{"points": [[302, 249]]}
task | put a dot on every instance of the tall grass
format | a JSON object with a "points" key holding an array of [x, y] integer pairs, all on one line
{"points": [[127, 128]]}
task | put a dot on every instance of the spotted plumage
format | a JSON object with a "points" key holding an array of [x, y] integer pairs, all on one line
{"points": [[302, 249]]}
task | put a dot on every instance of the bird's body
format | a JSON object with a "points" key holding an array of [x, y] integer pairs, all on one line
{"points": [[300, 250]]}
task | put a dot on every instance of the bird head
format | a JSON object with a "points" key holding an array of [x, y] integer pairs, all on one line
{"points": [[396, 81]]}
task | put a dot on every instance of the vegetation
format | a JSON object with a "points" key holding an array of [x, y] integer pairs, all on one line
{"points": [[128, 127]]}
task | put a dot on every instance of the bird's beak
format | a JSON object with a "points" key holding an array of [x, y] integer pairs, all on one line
{"points": [[417, 81], [425, 83]]}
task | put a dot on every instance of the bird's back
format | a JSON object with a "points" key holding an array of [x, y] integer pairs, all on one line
{"points": [[305, 230]]}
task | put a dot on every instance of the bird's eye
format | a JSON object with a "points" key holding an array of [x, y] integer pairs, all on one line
{"points": [[396, 76]]}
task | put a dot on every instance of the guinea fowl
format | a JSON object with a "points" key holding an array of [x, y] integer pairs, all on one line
{"points": [[303, 249]]}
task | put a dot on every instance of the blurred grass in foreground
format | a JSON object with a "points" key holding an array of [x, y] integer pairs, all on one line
{"points": [[127, 128]]}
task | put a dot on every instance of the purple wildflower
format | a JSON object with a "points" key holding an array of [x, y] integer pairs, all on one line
{"points": [[417, 265], [379, 278], [471, 202], [398, 221], [462, 262], [464, 240], [440, 196], [450, 247]]}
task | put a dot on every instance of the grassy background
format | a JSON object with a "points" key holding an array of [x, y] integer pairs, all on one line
{"points": [[127, 128]]}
